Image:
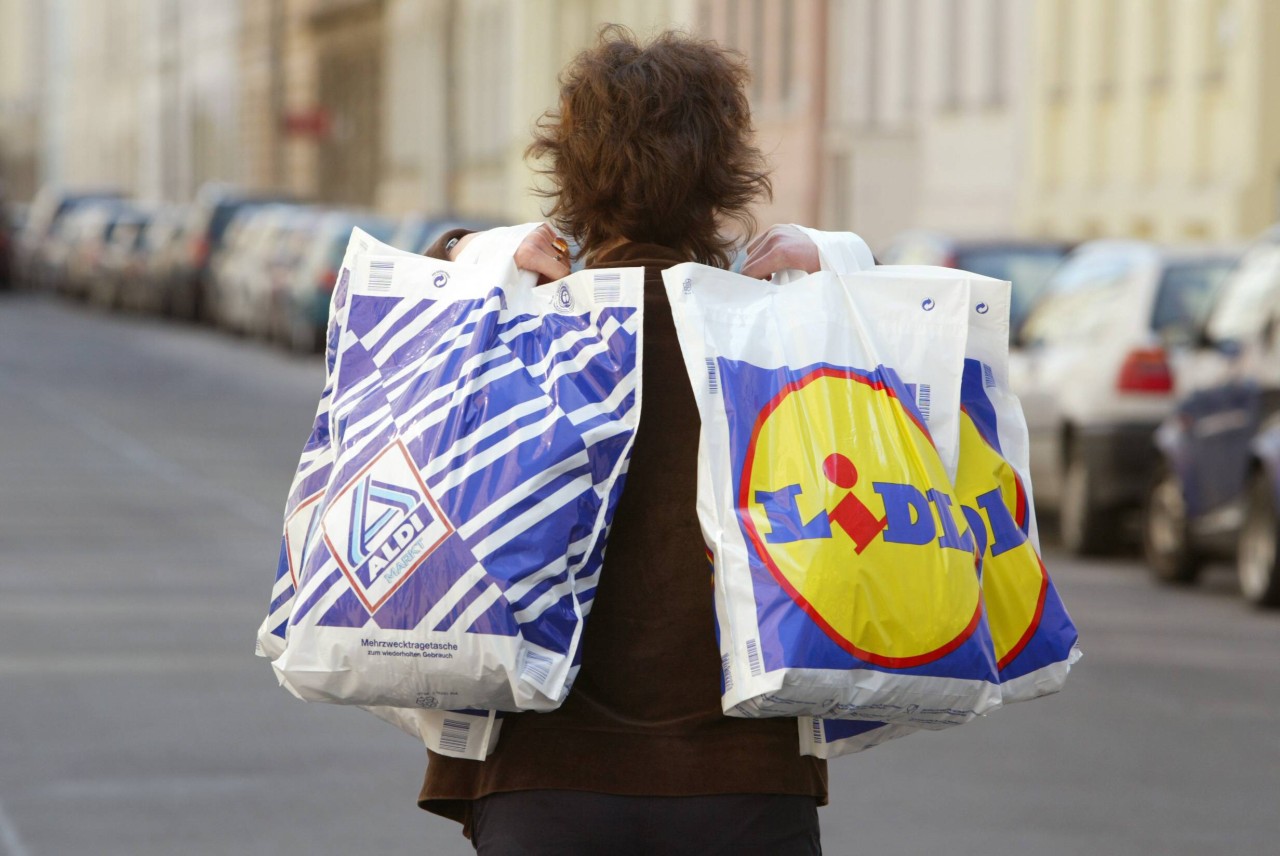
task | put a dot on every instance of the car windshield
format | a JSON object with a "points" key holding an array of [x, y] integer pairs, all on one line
{"points": [[1248, 297], [1186, 294], [1079, 300], [1027, 268]]}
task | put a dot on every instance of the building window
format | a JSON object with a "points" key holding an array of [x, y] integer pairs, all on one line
{"points": [[910, 56], [1060, 45], [1161, 44], [1220, 37], [998, 28], [874, 17], [1110, 59], [759, 66], [841, 188], [786, 74], [952, 65]]}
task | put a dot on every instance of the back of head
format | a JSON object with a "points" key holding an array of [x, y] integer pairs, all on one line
{"points": [[652, 143]]}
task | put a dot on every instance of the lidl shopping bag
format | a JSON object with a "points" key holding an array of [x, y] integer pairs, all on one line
{"points": [[845, 579], [479, 427], [1033, 638]]}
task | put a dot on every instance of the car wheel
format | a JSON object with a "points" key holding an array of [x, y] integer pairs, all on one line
{"points": [[1257, 549], [1084, 530], [1166, 538]]}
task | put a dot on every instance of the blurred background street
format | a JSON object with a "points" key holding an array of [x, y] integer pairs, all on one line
{"points": [[178, 179], [143, 468]]}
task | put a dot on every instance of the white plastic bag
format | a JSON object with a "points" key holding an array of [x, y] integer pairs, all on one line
{"points": [[478, 429], [845, 572], [1033, 639]]}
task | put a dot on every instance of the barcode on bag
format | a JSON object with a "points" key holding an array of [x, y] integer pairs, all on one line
{"points": [[818, 735], [988, 377], [380, 272], [537, 668], [454, 734], [753, 658], [726, 672], [713, 379], [924, 399], [608, 287]]}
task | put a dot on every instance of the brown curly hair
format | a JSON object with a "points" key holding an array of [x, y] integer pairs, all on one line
{"points": [[652, 143]]}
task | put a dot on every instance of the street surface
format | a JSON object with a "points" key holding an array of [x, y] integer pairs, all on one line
{"points": [[143, 470]]}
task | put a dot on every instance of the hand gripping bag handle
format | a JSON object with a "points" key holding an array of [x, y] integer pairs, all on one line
{"points": [[840, 252]]}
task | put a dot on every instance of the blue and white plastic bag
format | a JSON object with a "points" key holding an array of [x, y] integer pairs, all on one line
{"points": [[478, 430], [845, 578], [463, 734]]}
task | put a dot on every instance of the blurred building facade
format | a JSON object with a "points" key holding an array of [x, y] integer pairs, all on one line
{"points": [[21, 96], [926, 124], [1065, 118], [786, 45], [1155, 119]]}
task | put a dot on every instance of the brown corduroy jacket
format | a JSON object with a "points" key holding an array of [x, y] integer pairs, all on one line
{"points": [[644, 715]]}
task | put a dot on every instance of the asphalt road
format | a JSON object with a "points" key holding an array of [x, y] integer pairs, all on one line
{"points": [[143, 469]]}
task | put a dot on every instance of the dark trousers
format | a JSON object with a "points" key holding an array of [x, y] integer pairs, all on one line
{"points": [[574, 823]]}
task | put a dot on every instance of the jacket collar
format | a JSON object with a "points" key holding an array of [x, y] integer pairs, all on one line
{"points": [[639, 255]]}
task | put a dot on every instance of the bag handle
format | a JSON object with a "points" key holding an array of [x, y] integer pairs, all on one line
{"points": [[840, 252], [497, 246]]}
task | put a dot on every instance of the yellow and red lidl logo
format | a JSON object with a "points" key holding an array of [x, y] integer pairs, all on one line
{"points": [[1014, 580], [844, 498]]}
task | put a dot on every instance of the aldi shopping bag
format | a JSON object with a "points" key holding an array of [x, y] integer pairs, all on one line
{"points": [[314, 468], [471, 734], [1033, 639], [478, 428], [845, 570]]}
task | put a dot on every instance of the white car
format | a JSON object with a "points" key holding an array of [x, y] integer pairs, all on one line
{"points": [[1095, 369], [241, 298]]}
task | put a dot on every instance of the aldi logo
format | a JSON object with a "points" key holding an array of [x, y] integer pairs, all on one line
{"points": [[383, 525]]}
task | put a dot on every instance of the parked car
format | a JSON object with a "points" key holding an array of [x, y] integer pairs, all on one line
{"points": [[280, 264], [96, 224], [417, 233], [72, 249], [1214, 492], [122, 256], [1095, 370], [302, 308], [1026, 264], [9, 226], [241, 295], [207, 220], [47, 210], [142, 289]]}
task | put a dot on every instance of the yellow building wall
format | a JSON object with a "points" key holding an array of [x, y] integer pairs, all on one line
{"points": [[1154, 119]]}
